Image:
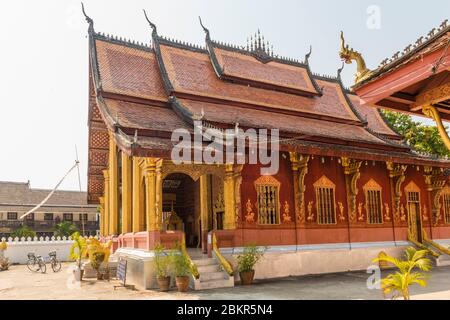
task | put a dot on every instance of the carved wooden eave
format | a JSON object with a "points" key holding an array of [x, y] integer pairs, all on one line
{"points": [[397, 176], [299, 165], [352, 174], [435, 181]]}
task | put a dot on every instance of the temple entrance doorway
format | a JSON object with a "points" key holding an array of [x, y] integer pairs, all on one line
{"points": [[414, 216], [181, 209]]}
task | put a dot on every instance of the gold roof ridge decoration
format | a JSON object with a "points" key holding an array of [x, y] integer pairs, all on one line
{"points": [[348, 55]]}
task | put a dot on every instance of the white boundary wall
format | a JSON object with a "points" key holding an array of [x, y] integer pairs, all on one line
{"points": [[18, 249]]}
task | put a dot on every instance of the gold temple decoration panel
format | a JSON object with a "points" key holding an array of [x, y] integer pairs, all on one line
{"points": [[374, 202], [299, 164], [325, 201], [352, 174], [237, 175], [268, 200], [446, 203], [397, 176], [435, 181], [431, 111]]}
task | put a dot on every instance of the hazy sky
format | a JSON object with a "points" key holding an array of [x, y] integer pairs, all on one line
{"points": [[44, 58]]}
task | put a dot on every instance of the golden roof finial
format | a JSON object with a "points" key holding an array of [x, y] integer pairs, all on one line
{"points": [[348, 55]]}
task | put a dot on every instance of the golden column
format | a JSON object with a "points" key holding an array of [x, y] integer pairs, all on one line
{"points": [[126, 193], [106, 200], [159, 194], [138, 211], [229, 198], [204, 206], [102, 215], [150, 194], [113, 187]]}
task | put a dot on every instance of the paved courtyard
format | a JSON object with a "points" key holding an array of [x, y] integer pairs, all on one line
{"points": [[20, 283]]}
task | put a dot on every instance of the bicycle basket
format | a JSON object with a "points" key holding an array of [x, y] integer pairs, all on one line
{"points": [[31, 255], [52, 254]]}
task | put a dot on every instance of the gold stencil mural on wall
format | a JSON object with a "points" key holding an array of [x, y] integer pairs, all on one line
{"points": [[424, 213], [286, 214], [341, 211], [250, 215], [360, 212], [387, 209], [310, 211]]}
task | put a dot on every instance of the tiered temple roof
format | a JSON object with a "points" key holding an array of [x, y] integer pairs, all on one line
{"points": [[142, 93]]}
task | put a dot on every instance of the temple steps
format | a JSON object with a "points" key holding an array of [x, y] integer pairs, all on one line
{"points": [[211, 275], [443, 260]]}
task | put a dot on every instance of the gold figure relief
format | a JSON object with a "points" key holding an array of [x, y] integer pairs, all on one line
{"points": [[387, 216], [425, 213], [360, 212], [250, 216], [402, 213], [286, 214], [341, 211], [310, 212], [301, 215]]}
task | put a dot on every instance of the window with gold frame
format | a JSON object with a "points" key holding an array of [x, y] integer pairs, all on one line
{"points": [[374, 203], [446, 204], [325, 201], [268, 200]]}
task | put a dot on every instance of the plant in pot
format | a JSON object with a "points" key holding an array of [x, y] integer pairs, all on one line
{"points": [[162, 267], [182, 270], [4, 262], [246, 263], [96, 259], [77, 253]]}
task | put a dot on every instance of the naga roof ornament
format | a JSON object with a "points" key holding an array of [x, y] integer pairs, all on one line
{"points": [[348, 55]]}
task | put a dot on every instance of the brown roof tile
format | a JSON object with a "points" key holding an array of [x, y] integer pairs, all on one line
{"points": [[374, 119], [129, 71], [245, 66], [192, 72], [140, 116], [285, 123]]}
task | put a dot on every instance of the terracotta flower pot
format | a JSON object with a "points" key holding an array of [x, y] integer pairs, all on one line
{"points": [[247, 277], [182, 283], [163, 283], [99, 275], [78, 273]]}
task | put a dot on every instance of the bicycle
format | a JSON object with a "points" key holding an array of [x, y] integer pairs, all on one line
{"points": [[55, 263], [35, 263]]}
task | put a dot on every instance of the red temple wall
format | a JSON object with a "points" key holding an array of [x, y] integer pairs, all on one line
{"points": [[309, 231]]}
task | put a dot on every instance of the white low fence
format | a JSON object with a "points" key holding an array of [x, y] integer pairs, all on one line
{"points": [[18, 249]]}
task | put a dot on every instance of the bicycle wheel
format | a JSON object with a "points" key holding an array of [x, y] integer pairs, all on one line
{"points": [[32, 265], [42, 266], [56, 265]]}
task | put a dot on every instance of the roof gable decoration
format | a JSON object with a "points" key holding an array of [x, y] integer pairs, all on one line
{"points": [[324, 182], [372, 185], [412, 187]]}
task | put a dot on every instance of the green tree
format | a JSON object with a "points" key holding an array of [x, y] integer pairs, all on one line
{"points": [[23, 231], [400, 281], [421, 137], [65, 229]]}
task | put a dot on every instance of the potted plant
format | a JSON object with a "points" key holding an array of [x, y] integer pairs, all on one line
{"points": [[162, 264], [96, 259], [77, 253], [182, 270], [246, 263], [98, 254], [4, 262]]}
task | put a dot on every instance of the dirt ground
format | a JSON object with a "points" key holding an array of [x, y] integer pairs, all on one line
{"points": [[20, 283]]}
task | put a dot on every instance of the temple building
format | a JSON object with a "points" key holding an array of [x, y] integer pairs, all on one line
{"points": [[346, 188]]}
